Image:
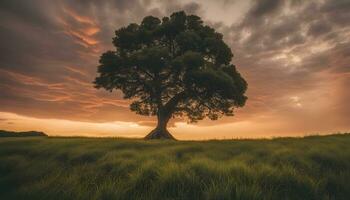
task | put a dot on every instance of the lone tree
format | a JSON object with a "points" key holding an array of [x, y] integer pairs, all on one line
{"points": [[174, 67]]}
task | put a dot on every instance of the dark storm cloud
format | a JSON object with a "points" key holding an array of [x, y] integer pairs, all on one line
{"points": [[283, 48], [337, 11], [265, 7], [319, 28], [285, 31], [36, 12]]}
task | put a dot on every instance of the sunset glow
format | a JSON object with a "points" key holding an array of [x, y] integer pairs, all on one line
{"points": [[295, 56]]}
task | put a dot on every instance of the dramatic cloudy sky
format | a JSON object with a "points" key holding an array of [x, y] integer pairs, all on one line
{"points": [[294, 54]]}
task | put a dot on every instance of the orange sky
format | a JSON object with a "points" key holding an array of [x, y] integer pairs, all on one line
{"points": [[295, 56]]}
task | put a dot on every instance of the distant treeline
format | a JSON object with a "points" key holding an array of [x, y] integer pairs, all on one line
{"points": [[21, 134]]}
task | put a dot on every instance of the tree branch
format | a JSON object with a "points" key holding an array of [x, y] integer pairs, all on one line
{"points": [[170, 105]]}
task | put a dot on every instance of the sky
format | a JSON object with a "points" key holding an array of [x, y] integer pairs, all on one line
{"points": [[294, 54]]}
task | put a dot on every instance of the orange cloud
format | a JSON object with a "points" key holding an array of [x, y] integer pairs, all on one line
{"points": [[82, 28], [77, 17]]}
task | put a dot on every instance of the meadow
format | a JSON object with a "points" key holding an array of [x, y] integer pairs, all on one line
{"points": [[314, 167]]}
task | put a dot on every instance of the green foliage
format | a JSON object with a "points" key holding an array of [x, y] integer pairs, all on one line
{"points": [[84, 168], [176, 66]]}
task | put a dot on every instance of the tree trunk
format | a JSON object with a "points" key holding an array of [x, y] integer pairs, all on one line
{"points": [[160, 132]]}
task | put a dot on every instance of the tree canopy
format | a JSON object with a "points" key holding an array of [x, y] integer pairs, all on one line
{"points": [[174, 67]]}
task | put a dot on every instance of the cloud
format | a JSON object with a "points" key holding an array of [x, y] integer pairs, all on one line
{"points": [[284, 48], [265, 7]]}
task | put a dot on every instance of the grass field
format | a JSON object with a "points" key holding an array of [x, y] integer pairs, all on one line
{"points": [[316, 167]]}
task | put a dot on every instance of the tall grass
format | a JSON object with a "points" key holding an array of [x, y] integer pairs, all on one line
{"points": [[315, 167]]}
